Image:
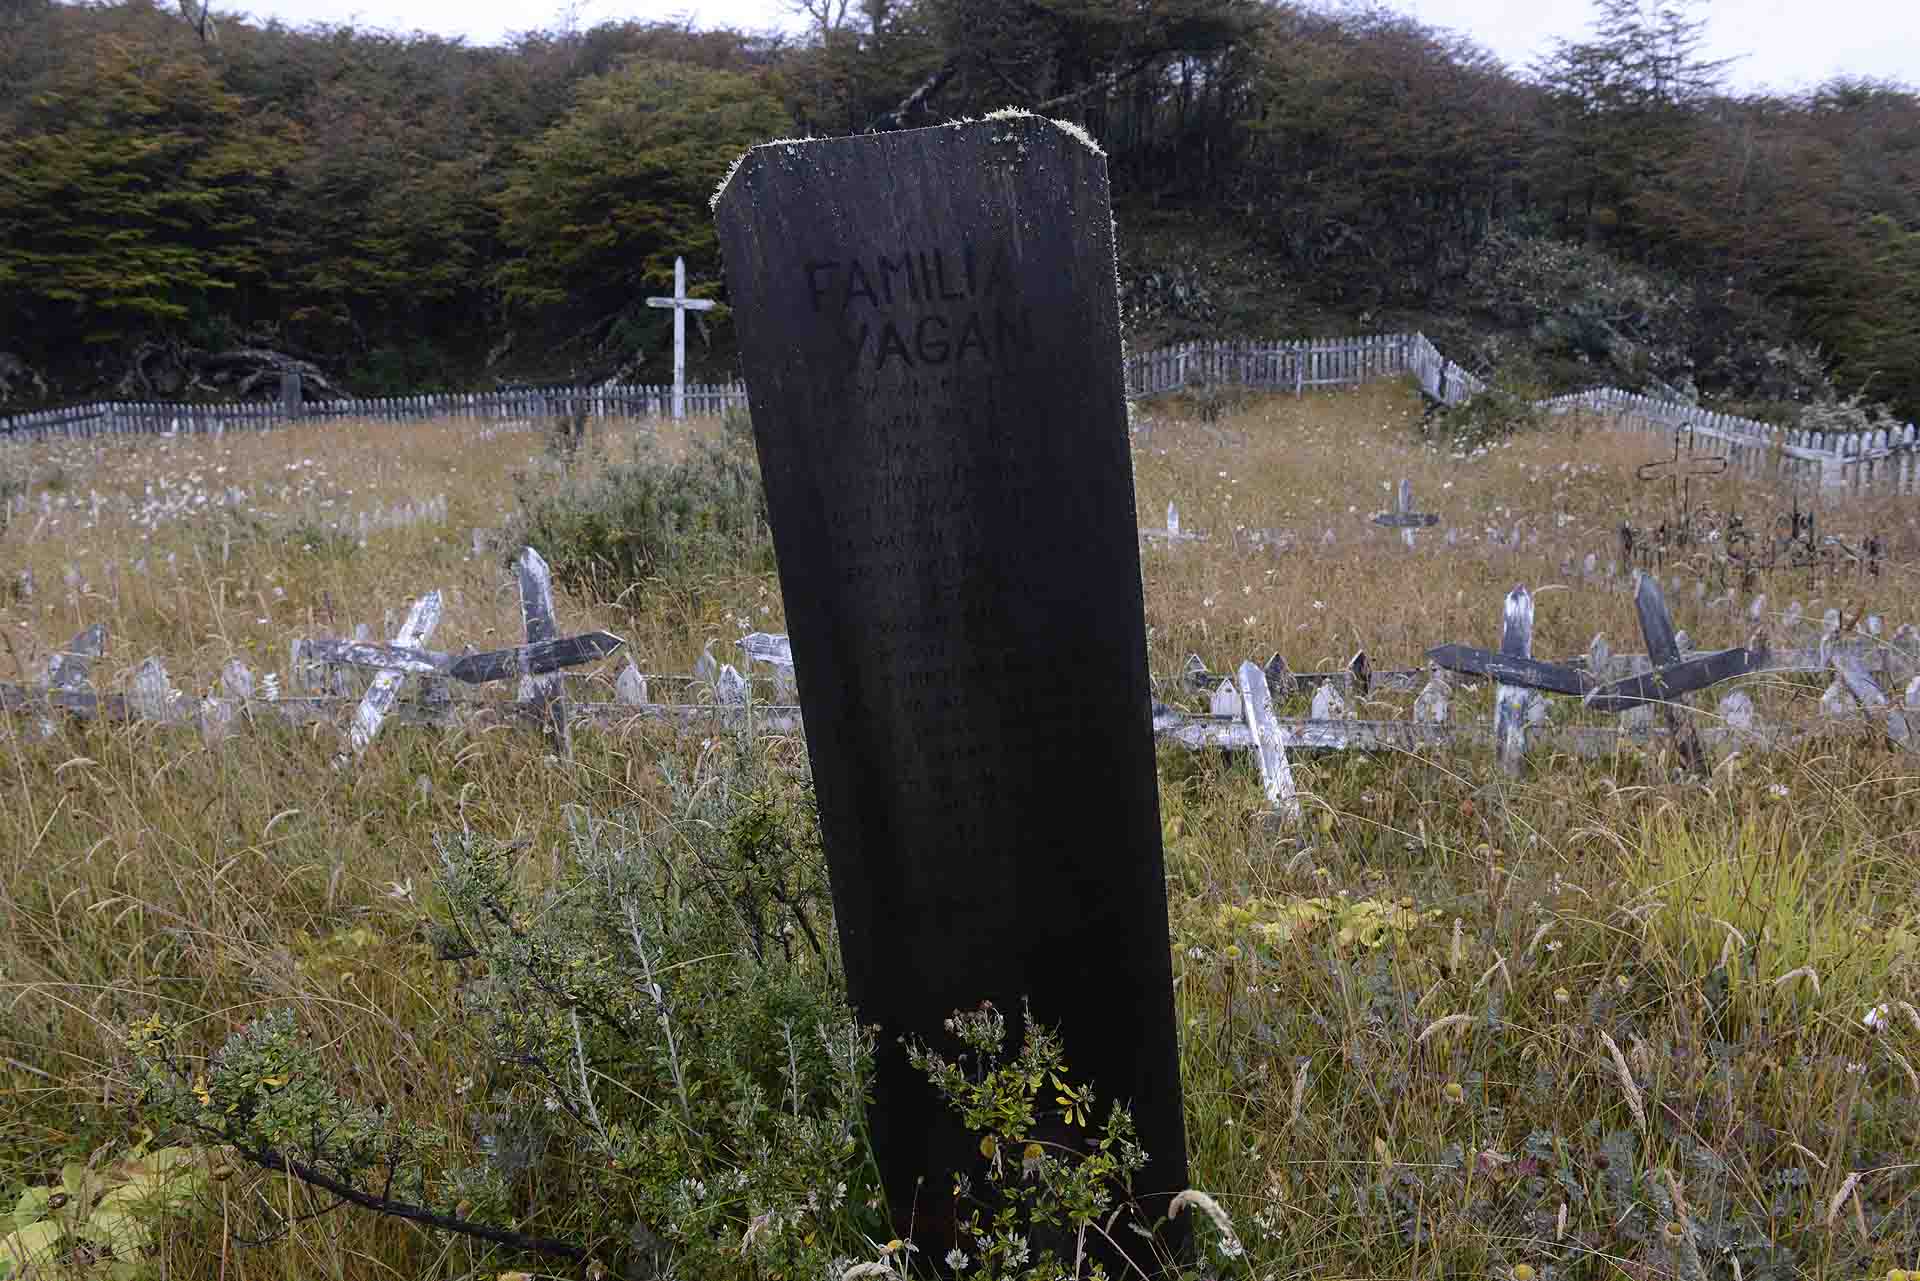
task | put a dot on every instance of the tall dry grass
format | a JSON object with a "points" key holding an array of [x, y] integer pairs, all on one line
{"points": [[1599, 1021]]}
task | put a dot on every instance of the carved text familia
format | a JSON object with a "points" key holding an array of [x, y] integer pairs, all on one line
{"points": [[901, 307]]}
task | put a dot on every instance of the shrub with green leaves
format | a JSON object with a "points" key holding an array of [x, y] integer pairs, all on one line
{"points": [[649, 518], [666, 1069], [1052, 1197]]}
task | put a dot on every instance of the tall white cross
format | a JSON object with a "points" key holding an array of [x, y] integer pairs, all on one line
{"points": [[681, 305]]}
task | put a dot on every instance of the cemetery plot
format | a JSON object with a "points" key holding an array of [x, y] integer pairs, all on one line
{"points": [[1331, 822]]}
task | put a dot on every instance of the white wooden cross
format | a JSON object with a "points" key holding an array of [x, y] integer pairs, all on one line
{"points": [[681, 305]]}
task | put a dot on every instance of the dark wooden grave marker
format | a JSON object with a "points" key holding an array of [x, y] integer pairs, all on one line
{"points": [[1663, 652], [536, 609], [930, 336], [1403, 517]]}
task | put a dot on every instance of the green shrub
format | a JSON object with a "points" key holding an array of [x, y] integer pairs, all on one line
{"points": [[1496, 414], [646, 1087], [649, 518]]}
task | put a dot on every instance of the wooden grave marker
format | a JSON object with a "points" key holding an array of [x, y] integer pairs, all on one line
{"points": [[1513, 704], [1403, 517], [1269, 744], [681, 305], [373, 709], [930, 335]]}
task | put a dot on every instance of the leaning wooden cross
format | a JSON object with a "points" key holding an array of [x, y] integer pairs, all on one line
{"points": [[539, 662], [681, 305], [930, 335], [1403, 517]]}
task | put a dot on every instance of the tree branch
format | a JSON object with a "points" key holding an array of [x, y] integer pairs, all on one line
{"points": [[1102, 83], [268, 1158], [914, 101]]}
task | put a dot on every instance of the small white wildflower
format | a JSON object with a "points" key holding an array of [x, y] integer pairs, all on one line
{"points": [[402, 890], [1778, 791], [552, 1104], [957, 1259], [1876, 1018]]}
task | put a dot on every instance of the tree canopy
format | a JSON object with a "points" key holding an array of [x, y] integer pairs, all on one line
{"points": [[410, 210]]}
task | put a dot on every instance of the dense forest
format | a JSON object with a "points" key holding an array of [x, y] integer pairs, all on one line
{"points": [[184, 196]]}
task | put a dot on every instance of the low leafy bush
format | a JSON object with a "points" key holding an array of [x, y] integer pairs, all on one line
{"points": [[649, 518], [665, 1066], [1496, 414]]}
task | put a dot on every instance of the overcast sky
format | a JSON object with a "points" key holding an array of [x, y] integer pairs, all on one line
{"points": [[1781, 44]]}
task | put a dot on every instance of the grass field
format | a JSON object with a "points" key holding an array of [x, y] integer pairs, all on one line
{"points": [[1599, 1021]]}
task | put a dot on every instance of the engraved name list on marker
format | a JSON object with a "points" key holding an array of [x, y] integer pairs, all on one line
{"points": [[930, 334]]}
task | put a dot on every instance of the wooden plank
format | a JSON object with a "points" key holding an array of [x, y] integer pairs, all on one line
{"points": [[471, 669], [1510, 701], [1663, 651], [1671, 682], [1510, 669], [536, 608], [1873, 699], [422, 618], [534, 659], [1656, 624]]}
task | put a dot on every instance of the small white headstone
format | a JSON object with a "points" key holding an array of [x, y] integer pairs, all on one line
{"points": [[730, 687], [705, 667], [1328, 705], [1759, 607], [151, 695], [630, 687], [1225, 700], [216, 720], [1173, 521], [1430, 708]]}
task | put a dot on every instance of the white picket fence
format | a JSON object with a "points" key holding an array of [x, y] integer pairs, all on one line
{"points": [[1882, 462], [124, 418]]}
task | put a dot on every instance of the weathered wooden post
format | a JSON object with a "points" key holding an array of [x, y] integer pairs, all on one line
{"points": [[1269, 744], [536, 609], [930, 334], [291, 403], [1510, 702]]}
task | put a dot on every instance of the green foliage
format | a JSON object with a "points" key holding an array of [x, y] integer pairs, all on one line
{"points": [[132, 192], [648, 518], [1603, 319], [666, 1066], [103, 1217], [604, 201], [1480, 421], [1048, 1193]]}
